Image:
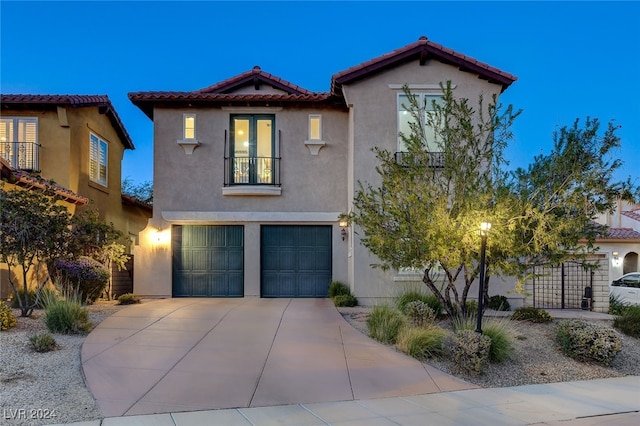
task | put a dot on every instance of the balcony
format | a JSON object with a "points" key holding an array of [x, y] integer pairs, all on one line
{"points": [[252, 171], [434, 159], [21, 155]]}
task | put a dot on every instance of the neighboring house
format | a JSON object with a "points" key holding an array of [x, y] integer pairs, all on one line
{"points": [[77, 141], [15, 179], [623, 242], [252, 173]]}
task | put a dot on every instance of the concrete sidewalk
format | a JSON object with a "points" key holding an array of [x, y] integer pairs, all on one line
{"points": [[613, 401], [176, 355]]}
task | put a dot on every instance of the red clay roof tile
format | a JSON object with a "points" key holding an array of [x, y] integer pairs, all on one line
{"points": [[25, 180], [76, 101], [422, 49]]}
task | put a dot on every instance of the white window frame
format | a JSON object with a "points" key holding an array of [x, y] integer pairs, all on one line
{"points": [[185, 128], [96, 143], [20, 153], [420, 97], [314, 144]]}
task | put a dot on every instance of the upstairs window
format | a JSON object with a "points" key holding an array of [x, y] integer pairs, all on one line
{"points": [[405, 118], [19, 142], [98, 157], [315, 127], [189, 126]]}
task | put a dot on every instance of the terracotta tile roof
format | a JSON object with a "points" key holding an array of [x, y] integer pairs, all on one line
{"points": [[621, 234], [221, 93], [25, 101], [147, 100], [422, 49], [133, 201], [256, 77], [633, 214], [25, 180]]}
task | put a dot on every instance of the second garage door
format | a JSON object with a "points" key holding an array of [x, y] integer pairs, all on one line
{"points": [[295, 260]]}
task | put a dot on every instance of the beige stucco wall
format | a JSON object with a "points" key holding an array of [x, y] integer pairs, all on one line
{"points": [[189, 188], [374, 116]]}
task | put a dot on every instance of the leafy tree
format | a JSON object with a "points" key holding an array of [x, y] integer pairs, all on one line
{"points": [[426, 211], [34, 230], [141, 191], [99, 240]]}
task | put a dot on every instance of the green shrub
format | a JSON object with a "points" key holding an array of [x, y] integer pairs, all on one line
{"points": [[501, 331], [32, 297], [128, 299], [529, 313], [414, 295], [588, 341], [470, 352], [348, 300], [385, 323], [616, 305], [499, 303], [7, 319], [84, 276], [66, 315], [629, 321], [420, 313], [43, 342], [424, 342], [337, 288]]}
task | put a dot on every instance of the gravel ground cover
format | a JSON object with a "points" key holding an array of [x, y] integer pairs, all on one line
{"points": [[537, 358], [46, 388]]}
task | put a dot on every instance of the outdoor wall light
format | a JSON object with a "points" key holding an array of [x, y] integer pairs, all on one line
{"points": [[615, 261], [343, 224], [161, 237]]}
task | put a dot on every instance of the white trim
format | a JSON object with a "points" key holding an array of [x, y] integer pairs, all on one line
{"points": [[249, 216], [252, 110], [314, 146], [100, 141], [429, 87], [311, 117], [188, 145], [251, 190]]}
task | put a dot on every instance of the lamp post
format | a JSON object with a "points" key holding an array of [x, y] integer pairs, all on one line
{"points": [[484, 231]]}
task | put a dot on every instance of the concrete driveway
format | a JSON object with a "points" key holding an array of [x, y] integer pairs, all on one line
{"points": [[175, 355]]}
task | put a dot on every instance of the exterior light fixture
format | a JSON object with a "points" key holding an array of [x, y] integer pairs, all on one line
{"points": [[343, 232], [485, 227], [161, 237], [615, 261]]}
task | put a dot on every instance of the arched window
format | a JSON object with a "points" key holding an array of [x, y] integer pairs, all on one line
{"points": [[630, 263]]}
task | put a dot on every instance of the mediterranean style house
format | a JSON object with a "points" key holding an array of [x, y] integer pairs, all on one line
{"points": [[252, 173], [77, 142]]}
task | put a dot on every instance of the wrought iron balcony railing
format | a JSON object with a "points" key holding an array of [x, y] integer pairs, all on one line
{"points": [[435, 159], [21, 155], [252, 171]]}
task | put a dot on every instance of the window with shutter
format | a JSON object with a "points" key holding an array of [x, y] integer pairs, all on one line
{"points": [[98, 159]]}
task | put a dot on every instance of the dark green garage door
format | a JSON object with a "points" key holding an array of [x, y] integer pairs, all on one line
{"points": [[208, 261], [295, 260]]}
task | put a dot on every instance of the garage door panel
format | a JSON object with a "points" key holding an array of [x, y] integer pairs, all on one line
{"points": [[287, 260], [204, 264], [199, 261], [295, 260], [199, 284], [235, 261]]}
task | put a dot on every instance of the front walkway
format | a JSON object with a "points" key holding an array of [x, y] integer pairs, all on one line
{"points": [[177, 355]]}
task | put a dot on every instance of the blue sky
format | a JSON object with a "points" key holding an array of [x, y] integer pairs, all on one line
{"points": [[572, 59]]}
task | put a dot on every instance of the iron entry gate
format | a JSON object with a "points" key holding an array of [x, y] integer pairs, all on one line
{"points": [[561, 287]]}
